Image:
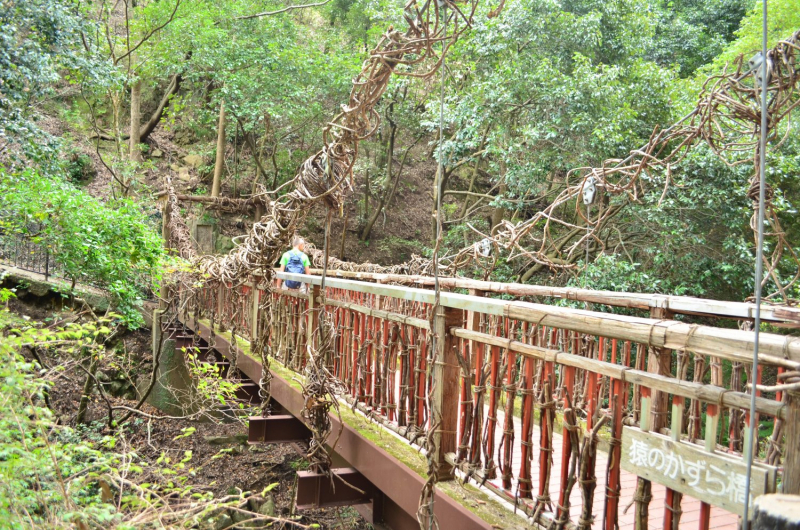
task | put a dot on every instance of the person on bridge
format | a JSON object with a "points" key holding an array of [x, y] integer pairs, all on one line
{"points": [[295, 261]]}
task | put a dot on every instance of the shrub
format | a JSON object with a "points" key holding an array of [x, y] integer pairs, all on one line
{"points": [[111, 245]]}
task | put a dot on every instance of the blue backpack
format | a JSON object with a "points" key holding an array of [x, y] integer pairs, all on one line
{"points": [[294, 265]]}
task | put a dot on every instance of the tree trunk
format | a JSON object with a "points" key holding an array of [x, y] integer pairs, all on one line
{"points": [[344, 235], [87, 389], [437, 177], [220, 162], [499, 213], [439, 187], [136, 121], [474, 175], [155, 118]]}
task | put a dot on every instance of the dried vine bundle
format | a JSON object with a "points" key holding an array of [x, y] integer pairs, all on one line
{"points": [[324, 177], [320, 389]]}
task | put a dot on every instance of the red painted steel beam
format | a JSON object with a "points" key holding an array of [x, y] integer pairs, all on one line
{"points": [[345, 487], [277, 429], [400, 485]]}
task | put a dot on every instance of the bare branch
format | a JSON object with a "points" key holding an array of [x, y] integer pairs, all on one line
{"points": [[150, 33], [285, 9]]}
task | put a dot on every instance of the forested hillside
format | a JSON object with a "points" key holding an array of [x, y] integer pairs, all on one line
{"points": [[103, 102], [106, 100]]}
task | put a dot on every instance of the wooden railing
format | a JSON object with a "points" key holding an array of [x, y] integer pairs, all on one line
{"points": [[686, 305], [527, 392]]}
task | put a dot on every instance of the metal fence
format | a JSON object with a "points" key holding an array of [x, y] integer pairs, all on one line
{"points": [[26, 253]]}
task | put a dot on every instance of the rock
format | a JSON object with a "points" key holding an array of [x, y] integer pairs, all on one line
{"points": [[174, 167], [183, 137], [223, 521], [36, 288], [194, 161], [236, 439], [240, 517], [157, 153], [223, 244], [183, 174], [268, 508]]}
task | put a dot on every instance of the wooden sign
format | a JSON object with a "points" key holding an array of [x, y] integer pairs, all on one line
{"points": [[715, 478]]}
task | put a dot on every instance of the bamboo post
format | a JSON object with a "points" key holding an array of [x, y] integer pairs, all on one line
{"points": [[384, 355], [422, 371], [613, 475], [672, 510], [491, 421], [791, 471], [712, 428], [524, 476], [547, 413], [356, 346], [654, 415], [445, 382], [472, 352], [566, 447], [254, 318]]}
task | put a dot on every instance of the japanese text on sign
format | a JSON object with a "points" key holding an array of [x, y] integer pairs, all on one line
{"points": [[700, 475], [715, 478]]}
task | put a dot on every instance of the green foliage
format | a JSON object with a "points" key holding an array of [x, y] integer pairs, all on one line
{"points": [[110, 245], [690, 33], [79, 167], [210, 384], [40, 42], [279, 76], [53, 476], [48, 475], [555, 86], [783, 19]]}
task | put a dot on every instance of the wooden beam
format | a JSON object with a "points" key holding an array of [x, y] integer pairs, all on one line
{"points": [[444, 409], [791, 470]]}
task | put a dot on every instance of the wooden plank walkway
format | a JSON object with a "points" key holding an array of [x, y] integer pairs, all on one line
{"points": [[720, 519]]}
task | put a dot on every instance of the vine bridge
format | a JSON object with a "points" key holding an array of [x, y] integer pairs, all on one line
{"points": [[546, 413]]}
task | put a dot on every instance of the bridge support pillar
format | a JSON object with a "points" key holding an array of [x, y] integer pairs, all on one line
{"points": [[173, 388]]}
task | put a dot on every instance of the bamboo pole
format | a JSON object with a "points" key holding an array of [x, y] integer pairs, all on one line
{"points": [[677, 304]]}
